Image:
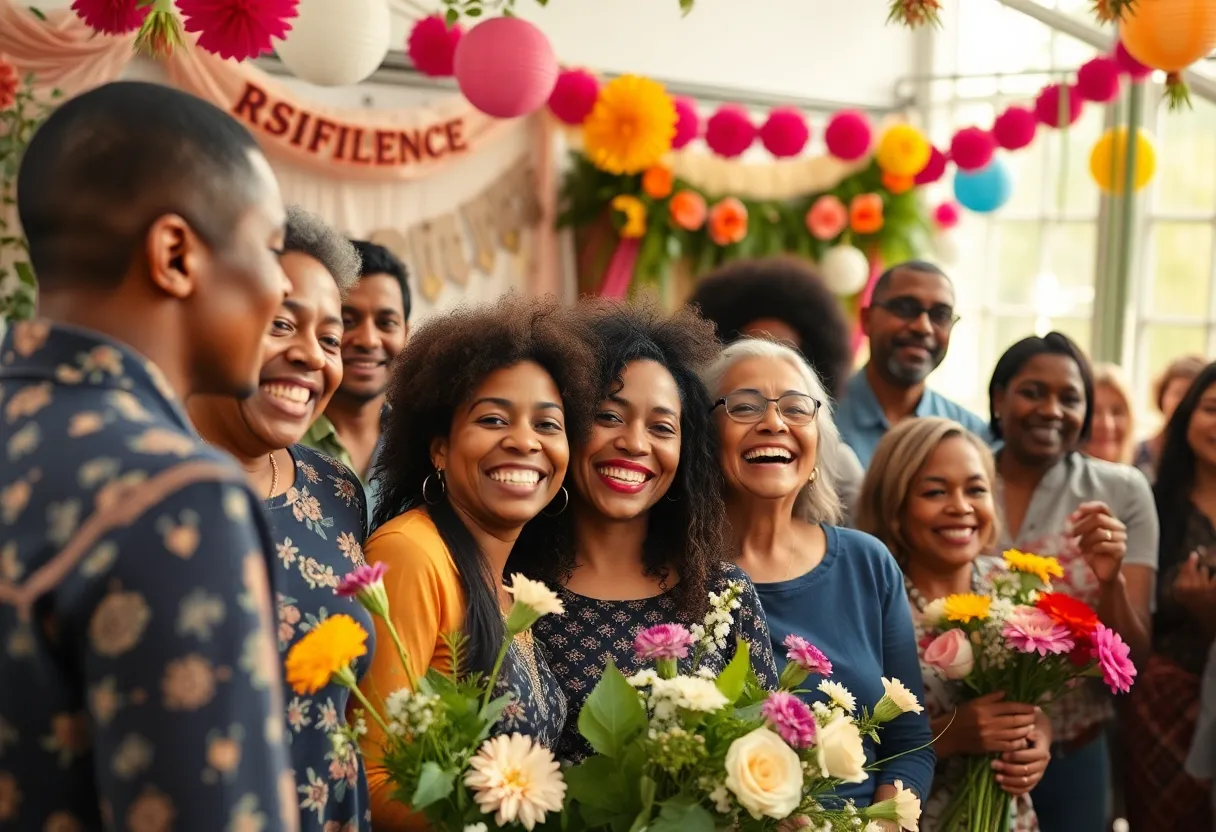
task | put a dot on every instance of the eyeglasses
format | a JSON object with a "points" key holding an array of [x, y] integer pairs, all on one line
{"points": [[748, 407], [909, 309]]}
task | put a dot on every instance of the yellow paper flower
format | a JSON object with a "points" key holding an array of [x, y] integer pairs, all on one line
{"points": [[631, 126], [1042, 568], [967, 606], [325, 652], [635, 215]]}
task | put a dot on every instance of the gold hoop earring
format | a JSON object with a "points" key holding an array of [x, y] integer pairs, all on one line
{"points": [[443, 488], [814, 476], [565, 504]]}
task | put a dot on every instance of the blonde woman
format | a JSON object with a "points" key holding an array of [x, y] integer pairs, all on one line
{"points": [[928, 497], [1112, 436]]}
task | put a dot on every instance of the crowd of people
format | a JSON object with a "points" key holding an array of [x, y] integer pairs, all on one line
{"points": [[219, 413]]}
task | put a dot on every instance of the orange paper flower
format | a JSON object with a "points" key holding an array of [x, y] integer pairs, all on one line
{"points": [[827, 218], [635, 215], [657, 182], [898, 184], [688, 210], [728, 222], [865, 214]]}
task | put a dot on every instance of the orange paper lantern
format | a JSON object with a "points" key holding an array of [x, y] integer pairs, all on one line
{"points": [[1170, 35]]}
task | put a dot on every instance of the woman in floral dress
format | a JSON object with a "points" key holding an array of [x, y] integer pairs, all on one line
{"points": [[314, 504], [928, 497]]}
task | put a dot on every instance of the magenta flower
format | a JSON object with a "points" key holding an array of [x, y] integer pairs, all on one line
{"points": [[662, 641], [366, 585], [1030, 630], [1113, 654], [806, 655], [791, 717]]}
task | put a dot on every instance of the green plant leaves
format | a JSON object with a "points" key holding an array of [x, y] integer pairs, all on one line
{"points": [[733, 678], [612, 715], [434, 784]]}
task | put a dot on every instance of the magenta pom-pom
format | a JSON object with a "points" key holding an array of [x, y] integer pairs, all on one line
{"points": [[1015, 128], [848, 135], [1098, 80], [574, 96], [934, 170], [1128, 65], [505, 67], [972, 148], [688, 122], [785, 132], [432, 46], [1047, 105], [729, 132], [946, 216]]}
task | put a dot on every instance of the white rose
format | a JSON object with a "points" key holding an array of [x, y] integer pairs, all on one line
{"points": [[536, 595], [841, 753], [764, 774]]}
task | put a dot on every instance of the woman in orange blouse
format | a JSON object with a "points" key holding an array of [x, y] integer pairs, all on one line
{"points": [[476, 446]]}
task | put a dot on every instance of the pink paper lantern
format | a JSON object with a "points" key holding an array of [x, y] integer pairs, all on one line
{"points": [[688, 122], [946, 216], [1128, 65], [505, 67], [848, 135], [574, 96], [432, 46], [934, 170], [729, 132], [1098, 80], [785, 132], [1015, 128], [1047, 105], [972, 148]]}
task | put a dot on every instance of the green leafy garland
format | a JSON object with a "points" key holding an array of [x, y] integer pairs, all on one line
{"points": [[775, 227]]}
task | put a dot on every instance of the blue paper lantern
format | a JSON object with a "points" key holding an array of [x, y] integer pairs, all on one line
{"points": [[985, 190]]}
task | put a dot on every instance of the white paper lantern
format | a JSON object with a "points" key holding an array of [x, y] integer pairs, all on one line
{"points": [[844, 269], [334, 43], [945, 246]]}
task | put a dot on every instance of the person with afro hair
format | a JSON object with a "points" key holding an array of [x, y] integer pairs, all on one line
{"points": [[784, 299]]}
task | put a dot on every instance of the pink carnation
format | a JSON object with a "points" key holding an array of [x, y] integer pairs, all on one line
{"points": [[806, 655], [662, 641], [791, 717], [1113, 654], [363, 578], [1029, 630]]}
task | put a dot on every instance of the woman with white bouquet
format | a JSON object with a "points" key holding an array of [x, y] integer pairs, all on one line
{"points": [[928, 497]]}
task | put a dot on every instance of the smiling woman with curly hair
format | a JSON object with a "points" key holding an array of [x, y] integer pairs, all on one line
{"points": [[643, 541], [475, 447]]}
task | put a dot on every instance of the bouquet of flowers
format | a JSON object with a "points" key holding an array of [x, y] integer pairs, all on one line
{"points": [[438, 748], [1025, 640], [695, 753]]}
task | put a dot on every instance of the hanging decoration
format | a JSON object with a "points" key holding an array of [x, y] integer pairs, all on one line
{"points": [[916, 13], [688, 122], [730, 132], [574, 96], [1170, 35], [1098, 80], [785, 133], [903, 151], [972, 148], [1049, 109], [505, 67], [985, 190], [454, 10], [335, 43], [845, 269], [431, 46], [1108, 160], [631, 126], [849, 135], [1015, 128]]}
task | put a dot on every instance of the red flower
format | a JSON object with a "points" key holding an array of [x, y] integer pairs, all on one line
{"points": [[8, 84], [111, 17], [238, 29], [1077, 616]]}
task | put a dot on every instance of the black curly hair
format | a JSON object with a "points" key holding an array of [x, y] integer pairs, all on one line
{"points": [[686, 529], [445, 360], [786, 289]]}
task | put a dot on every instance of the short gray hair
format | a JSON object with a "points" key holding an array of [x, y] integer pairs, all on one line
{"points": [[819, 502], [308, 234]]}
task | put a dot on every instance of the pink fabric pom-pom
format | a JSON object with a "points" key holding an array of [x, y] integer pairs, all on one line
{"points": [[934, 170], [972, 148], [1015, 128], [574, 96], [111, 17], [785, 133], [946, 216], [688, 123], [432, 46], [239, 31], [1047, 105], [848, 135], [729, 132], [1098, 80], [1128, 65]]}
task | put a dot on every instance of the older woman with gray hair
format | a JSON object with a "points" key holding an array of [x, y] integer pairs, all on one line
{"points": [[837, 588], [314, 504]]}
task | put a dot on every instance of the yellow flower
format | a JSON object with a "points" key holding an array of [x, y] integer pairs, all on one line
{"points": [[631, 126], [326, 652], [967, 606], [635, 215], [1042, 568]]}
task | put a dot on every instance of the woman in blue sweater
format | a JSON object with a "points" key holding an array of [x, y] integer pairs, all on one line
{"points": [[839, 589]]}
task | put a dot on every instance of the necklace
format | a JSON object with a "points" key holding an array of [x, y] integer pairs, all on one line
{"points": [[918, 599], [274, 476]]}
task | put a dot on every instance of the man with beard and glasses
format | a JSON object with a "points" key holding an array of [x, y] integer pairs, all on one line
{"points": [[908, 322], [376, 316]]}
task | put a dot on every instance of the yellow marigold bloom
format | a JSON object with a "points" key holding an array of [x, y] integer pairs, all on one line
{"points": [[325, 652], [631, 126], [967, 606], [635, 215], [1042, 568]]}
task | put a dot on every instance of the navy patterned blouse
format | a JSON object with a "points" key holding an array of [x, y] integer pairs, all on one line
{"points": [[318, 532], [580, 643]]}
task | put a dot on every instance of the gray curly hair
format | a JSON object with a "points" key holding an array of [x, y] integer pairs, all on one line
{"points": [[308, 234]]}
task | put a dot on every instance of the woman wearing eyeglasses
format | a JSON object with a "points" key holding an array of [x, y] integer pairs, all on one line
{"points": [[837, 588]]}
